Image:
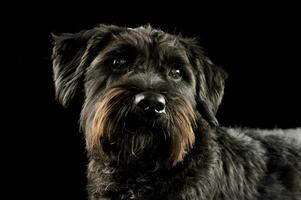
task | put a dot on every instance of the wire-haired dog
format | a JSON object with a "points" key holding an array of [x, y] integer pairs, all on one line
{"points": [[148, 115]]}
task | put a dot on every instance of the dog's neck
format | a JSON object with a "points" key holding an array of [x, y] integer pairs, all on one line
{"points": [[153, 161], [139, 174]]}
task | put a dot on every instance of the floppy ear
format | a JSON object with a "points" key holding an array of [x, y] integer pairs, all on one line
{"points": [[213, 78], [69, 61], [72, 54], [210, 82]]}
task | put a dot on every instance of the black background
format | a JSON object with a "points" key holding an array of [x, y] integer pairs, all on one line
{"points": [[258, 45]]}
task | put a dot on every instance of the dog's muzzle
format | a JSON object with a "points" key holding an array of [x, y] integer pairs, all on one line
{"points": [[150, 104]]}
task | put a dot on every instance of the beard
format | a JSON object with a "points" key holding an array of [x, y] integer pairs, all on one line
{"points": [[115, 129]]}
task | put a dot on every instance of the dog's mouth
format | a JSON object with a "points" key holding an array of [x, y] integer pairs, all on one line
{"points": [[132, 125], [135, 124]]}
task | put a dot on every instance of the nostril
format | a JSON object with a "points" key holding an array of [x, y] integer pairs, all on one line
{"points": [[141, 101], [160, 107], [144, 104]]}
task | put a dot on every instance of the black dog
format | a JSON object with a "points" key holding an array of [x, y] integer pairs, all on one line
{"points": [[150, 100]]}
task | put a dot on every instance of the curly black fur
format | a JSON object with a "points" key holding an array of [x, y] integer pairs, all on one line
{"points": [[183, 154]]}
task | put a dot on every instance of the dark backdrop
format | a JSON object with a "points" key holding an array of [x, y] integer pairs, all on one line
{"points": [[259, 47]]}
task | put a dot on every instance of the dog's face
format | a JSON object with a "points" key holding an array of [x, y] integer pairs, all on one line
{"points": [[145, 91]]}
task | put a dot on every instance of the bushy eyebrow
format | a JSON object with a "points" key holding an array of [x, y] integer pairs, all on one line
{"points": [[121, 50], [176, 57]]}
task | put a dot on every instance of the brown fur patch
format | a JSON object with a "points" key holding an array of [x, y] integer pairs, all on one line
{"points": [[110, 111], [181, 125]]}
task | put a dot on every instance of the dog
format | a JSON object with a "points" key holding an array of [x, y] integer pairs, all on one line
{"points": [[149, 104]]}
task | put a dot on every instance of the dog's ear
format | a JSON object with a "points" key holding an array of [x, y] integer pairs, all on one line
{"points": [[211, 95], [72, 54], [210, 81], [68, 63]]}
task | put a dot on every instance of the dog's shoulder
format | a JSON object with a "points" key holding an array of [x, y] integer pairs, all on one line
{"points": [[280, 142], [274, 156], [290, 138]]}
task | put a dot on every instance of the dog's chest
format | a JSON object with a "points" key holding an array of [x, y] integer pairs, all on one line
{"points": [[143, 187], [139, 186]]}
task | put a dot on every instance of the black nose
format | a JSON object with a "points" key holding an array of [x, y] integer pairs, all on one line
{"points": [[150, 102]]}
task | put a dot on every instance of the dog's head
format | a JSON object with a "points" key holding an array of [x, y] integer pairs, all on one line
{"points": [[145, 90]]}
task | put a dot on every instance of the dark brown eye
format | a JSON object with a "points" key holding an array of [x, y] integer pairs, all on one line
{"points": [[118, 62], [175, 74]]}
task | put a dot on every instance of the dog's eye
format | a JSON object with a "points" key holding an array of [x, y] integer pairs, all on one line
{"points": [[175, 74], [118, 62]]}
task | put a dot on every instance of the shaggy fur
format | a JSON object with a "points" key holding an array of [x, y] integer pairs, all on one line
{"points": [[181, 154]]}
